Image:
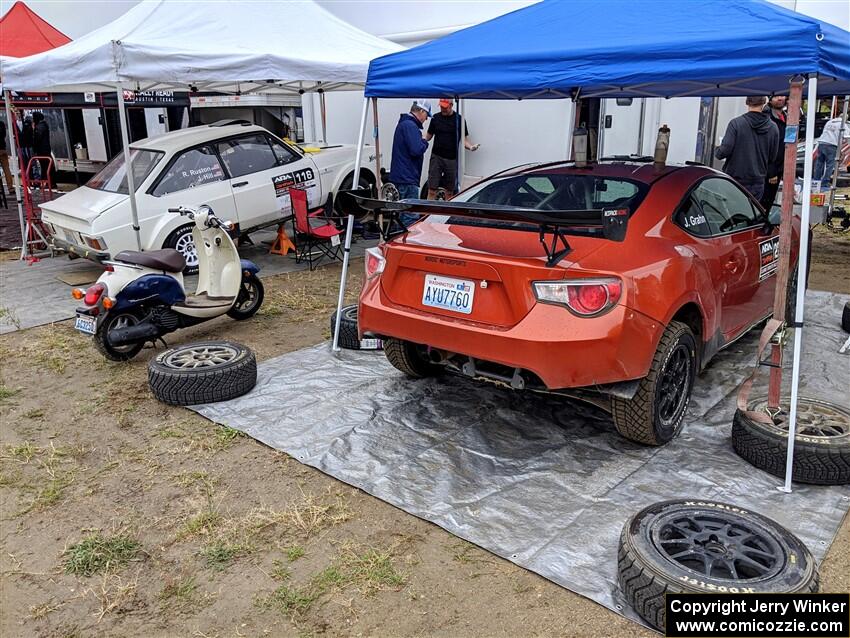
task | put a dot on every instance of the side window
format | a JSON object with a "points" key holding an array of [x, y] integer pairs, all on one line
{"points": [[612, 191], [725, 206], [691, 218], [245, 155], [283, 153], [192, 168]]}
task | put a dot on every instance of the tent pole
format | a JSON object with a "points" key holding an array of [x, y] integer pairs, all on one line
{"points": [[16, 174], [324, 116], [131, 182], [377, 136], [461, 168], [349, 231], [802, 260]]}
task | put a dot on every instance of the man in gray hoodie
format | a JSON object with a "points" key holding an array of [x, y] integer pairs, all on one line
{"points": [[750, 146]]}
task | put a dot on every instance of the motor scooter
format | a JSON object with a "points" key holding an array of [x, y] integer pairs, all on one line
{"points": [[141, 297]]}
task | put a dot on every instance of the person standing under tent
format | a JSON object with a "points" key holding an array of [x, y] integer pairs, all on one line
{"points": [[408, 151], [25, 140], [445, 128], [41, 141], [775, 109], [749, 146], [828, 143], [4, 159]]}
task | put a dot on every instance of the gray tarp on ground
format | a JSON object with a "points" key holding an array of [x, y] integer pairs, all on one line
{"points": [[541, 481]]}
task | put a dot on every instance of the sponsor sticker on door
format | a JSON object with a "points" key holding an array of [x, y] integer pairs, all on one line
{"points": [[768, 257], [303, 178]]}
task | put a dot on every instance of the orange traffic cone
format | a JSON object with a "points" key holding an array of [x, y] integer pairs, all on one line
{"points": [[282, 244]]}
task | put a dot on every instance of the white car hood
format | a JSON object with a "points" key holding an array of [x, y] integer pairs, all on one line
{"points": [[335, 154], [83, 203]]}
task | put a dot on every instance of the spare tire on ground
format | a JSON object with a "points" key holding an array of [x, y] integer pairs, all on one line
{"points": [[821, 443], [348, 332], [203, 372], [706, 547], [845, 317]]}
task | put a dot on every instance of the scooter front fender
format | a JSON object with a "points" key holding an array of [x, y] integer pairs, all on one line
{"points": [[160, 289], [249, 266]]}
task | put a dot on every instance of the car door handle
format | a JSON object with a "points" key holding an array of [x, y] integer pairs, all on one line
{"points": [[238, 184]]}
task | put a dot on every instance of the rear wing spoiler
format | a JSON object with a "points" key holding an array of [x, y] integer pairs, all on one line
{"points": [[607, 223]]}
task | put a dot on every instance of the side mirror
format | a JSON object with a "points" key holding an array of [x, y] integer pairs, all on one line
{"points": [[774, 216]]}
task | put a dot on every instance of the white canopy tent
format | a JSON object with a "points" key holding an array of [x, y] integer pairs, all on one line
{"points": [[290, 47]]}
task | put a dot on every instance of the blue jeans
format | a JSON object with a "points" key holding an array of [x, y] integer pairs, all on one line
{"points": [[825, 164], [408, 191]]}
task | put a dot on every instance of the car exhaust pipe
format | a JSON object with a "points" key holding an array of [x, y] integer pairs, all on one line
{"points": [[133, 334], [437, 356]]}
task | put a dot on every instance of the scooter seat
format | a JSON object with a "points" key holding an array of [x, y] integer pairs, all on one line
{"points": [[166, 259]]}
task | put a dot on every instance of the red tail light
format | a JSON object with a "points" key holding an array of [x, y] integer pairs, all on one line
{"points": [[584, 297], [94, 293], [375, 262]]}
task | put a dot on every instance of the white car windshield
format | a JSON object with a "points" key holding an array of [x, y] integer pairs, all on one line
{"points": [[113, 177]]}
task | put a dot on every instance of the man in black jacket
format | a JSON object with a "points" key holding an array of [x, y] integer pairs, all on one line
{"points": [[776, 111], [750, 146], [41, 141]]}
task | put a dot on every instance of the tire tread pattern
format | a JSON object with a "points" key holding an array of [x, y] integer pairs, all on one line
{"points": [[349, 336], [185, 387]]}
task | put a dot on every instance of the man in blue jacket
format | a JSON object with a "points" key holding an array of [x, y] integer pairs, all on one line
{"points": [[408, 150]]}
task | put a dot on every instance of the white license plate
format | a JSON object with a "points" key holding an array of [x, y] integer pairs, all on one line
{"points": [[86, 324], [448, 293]]}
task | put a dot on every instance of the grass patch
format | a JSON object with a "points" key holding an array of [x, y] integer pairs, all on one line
{"points": [[24, 452], [219, 554], [7, 393], [294, 552], [201, 524], [55, 347], [179, 593], [280, 571], [225, 436], [97, 553], [368, 571], [34, 414]]}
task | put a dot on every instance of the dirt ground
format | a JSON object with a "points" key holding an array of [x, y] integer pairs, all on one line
{"points": [[122, 516]]}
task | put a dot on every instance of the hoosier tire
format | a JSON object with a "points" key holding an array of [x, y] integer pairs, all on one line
{"points": [[705, 547], [655, 414], [410, 358], [203, 372], [821, 444]]}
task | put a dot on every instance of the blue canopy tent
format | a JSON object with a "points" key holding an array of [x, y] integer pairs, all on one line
{"points": [[628, 48]]}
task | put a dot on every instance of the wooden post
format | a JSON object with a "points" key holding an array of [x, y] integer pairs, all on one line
{"points": [[783, 271]]}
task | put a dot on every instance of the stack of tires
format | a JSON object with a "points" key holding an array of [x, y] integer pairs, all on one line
{"points": [[349, 335]]}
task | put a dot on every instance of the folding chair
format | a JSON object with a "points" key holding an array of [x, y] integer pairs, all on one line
{"points": [[313, 230]]}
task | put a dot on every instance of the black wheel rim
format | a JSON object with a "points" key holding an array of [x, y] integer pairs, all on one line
{"points": [[815, 419], [124, 320], [717, 547], [248, 296], [674, 384]]}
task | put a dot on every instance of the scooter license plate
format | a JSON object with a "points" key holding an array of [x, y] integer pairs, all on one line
{"points": [[86, 324]]}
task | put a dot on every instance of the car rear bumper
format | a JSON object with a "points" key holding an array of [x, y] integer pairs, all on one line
{"points": [[78, 250], [563, 350]]}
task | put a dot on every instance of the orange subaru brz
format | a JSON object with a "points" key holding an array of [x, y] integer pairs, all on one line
{"points": [[615, 283]]}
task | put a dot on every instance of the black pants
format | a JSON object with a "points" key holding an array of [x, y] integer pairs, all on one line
{"points": [[769, 196], [756, 188]]}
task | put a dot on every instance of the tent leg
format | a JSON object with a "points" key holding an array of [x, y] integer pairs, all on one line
{"points": [[377, 137], [324, 116], [802, 260], [350, 226], [16, 174], [461, 165], [131, 182]]}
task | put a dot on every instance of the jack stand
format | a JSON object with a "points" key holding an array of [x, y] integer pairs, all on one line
{"points": [[282, 244]]}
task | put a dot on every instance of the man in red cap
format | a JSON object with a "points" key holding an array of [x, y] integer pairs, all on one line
{"points": [[442, 170]]}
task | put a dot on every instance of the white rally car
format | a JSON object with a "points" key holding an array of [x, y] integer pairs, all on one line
{"points": [[242, 171]]}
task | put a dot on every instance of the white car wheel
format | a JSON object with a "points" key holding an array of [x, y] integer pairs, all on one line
{"points": [[183, 242]]}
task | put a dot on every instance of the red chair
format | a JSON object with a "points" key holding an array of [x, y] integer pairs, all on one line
{"points": [[313, 230]]}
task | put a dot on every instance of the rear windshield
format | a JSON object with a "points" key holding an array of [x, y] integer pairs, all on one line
{"points": [[551, 191], [113, 177]]}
